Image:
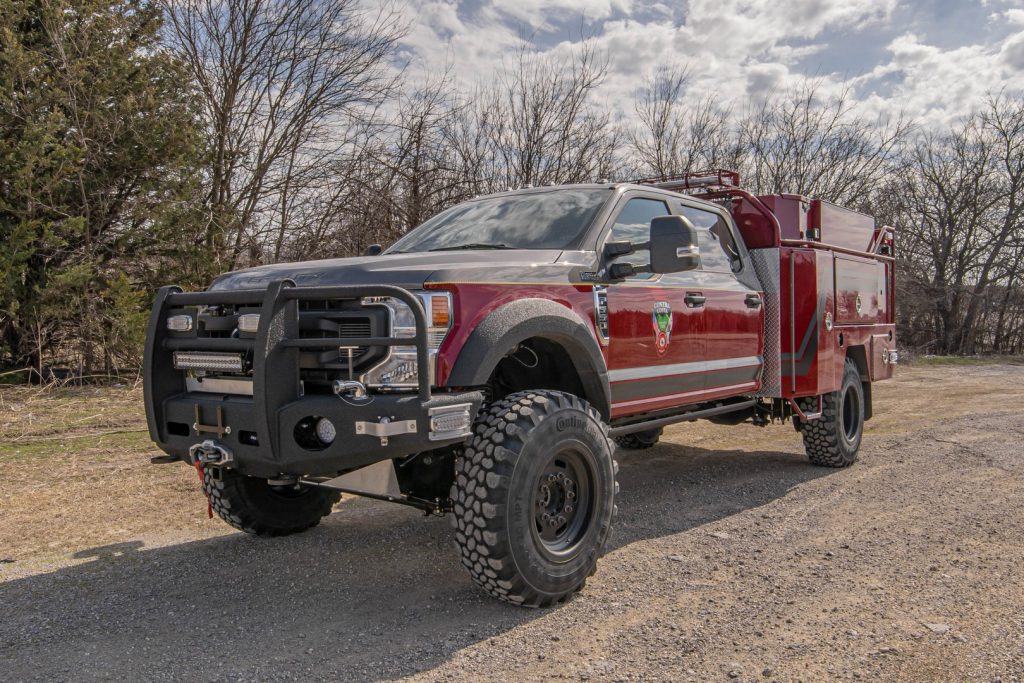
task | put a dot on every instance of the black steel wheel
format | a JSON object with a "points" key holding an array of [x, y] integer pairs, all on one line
{"points": [[534, 497], [562, 503]]}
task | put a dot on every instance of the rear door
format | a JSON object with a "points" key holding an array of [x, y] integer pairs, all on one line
{"points": [[733, 311], [656, 336]]}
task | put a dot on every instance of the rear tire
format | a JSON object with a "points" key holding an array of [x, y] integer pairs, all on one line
{"points": [[834, 439], [534, 497], [255, 507], [639, 440]]}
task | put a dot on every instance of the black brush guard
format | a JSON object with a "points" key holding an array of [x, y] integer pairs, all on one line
{"points": [[259, 430]]}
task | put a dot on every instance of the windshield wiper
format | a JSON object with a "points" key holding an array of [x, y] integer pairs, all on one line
{"points": [[473, 245]]}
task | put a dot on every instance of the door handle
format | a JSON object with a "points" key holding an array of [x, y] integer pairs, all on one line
{"points": [[753, 301], [694, 299]]}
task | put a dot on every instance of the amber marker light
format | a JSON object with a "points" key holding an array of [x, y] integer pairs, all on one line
{"points": [[440, 316]]}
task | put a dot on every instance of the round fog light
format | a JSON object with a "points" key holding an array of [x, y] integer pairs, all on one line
{"points": [[325, 430]]}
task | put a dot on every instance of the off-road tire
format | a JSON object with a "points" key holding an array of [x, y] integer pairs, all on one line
{"points": [[255, 507], [834, 439], [639, 440], [517, 445]]}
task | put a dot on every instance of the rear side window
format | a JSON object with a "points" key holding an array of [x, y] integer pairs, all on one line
{"points": [[633, 224], [718, 250]]}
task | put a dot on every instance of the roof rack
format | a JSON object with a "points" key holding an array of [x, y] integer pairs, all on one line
{"points": [[705, 180]]}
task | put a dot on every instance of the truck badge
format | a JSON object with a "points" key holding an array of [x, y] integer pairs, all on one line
{"points": [[661, 319]]}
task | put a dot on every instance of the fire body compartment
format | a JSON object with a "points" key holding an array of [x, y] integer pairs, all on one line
{"points": [[826, 295]]}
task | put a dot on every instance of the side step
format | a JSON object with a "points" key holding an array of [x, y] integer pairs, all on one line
{"points": [[681, 417]]}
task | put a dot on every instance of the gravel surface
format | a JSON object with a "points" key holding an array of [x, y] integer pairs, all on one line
{"points": [[733, 560]]}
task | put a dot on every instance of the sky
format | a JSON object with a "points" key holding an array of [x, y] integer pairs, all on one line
{"points": [[933, 60]]}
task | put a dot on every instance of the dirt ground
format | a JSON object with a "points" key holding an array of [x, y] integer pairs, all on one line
{"points": [[733, 560]]}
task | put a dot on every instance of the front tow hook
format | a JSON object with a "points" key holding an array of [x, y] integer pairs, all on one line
{"points": [[211, 454]]}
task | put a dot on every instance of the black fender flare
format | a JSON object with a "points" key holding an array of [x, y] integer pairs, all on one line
{"points": [[515, 322]]}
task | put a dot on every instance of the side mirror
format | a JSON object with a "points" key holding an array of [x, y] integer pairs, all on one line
{"points": [[374, 250], [674, 245]]}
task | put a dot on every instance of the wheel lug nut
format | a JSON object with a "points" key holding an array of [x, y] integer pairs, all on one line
{"points": [[553, 522], [561, 520], [570, 495], [568, 509], [552, 477], [546, 517]]}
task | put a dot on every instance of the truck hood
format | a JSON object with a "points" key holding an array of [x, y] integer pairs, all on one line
{"points": [[409, 270]]}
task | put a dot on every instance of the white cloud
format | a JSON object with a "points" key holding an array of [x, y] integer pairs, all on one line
{"points": [[734, 48], [937, 86]]}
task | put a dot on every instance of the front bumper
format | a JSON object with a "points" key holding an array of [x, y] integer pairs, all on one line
{"points": [[263, 431]]}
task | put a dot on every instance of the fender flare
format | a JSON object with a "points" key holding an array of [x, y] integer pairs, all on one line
{"points": [[515, 322]]}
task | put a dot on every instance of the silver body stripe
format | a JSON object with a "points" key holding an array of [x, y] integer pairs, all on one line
{"points": [[652, 371]]}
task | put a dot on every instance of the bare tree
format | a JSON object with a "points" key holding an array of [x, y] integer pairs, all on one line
{"points": [[962, 225], [279, 81], [806, 143], [673, 134], [536, 124]]}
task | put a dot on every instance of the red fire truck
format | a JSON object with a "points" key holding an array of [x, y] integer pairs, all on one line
{"points": [[487, 364]]}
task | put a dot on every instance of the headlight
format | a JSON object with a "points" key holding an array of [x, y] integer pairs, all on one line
{"points": [[399, 368]]}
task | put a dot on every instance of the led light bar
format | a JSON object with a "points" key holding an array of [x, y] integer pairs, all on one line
{"points": [[450, 422], [208, 360]]}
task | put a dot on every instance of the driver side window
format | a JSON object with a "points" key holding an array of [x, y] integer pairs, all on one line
{"points": [[633, 224]]}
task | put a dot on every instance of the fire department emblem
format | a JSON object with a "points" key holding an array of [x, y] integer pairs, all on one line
{"points": [[661, 320]]}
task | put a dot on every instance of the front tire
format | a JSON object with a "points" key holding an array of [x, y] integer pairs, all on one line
{"points": [[834, 439], [534, 497], [255, 507]]}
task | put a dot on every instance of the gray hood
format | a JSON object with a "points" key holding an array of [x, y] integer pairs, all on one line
{"points": [[408, 270]]}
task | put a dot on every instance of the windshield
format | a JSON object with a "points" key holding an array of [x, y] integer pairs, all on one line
{"points": [[555, 219]]}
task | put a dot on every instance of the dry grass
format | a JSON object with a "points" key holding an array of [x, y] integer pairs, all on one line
{"points": [[77, 474]]}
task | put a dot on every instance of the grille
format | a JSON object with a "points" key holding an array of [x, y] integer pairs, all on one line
{"points": [[346, 329]]}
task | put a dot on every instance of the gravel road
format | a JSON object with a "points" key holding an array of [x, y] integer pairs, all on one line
{"points": [[733, 560]]}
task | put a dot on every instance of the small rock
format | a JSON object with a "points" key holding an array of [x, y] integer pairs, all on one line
{"points": [[720, 534], [734, 674], [937, 628], [767, 673], [852, 633]]}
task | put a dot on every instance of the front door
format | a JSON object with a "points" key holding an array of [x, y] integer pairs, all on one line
{"points": [[656, 323]]}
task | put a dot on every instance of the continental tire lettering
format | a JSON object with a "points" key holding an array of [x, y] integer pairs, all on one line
{"points": [[571, 422]]}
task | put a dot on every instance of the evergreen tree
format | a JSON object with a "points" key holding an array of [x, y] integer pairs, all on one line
{"points": [[99, 148]]}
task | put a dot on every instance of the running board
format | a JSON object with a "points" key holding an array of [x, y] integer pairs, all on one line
{"points": [[682, 417]]}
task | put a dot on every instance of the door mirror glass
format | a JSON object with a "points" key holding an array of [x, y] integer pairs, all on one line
{"points": [[374, 250], [674, 245]]}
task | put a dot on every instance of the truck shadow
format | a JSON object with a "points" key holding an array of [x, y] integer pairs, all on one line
{"points": [[375, 592]]}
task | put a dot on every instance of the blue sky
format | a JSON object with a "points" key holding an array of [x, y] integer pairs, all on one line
{"points": [[932, 59]]}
